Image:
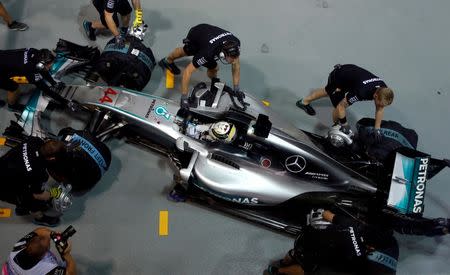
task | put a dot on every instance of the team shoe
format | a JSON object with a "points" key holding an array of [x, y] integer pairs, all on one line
{"points": [[47, 221], [90, 32], [272, 270], [307, 108], [169, 66], [21, 211], [176, 195], [17, 26]]}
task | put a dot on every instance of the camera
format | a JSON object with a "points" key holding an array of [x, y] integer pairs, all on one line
{"points": [[60, 239]]}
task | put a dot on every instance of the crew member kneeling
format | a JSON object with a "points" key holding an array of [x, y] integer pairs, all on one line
{"points": [[348, 84], [344, 246], [207, 44], [25, 169], [34, 65]]}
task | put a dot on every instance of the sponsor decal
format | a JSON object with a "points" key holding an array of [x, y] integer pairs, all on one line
{"points": [[419, 184], [37, 77], [106, 96], [355, 243], [201, 61], [110, 4], [162, 111], [246, 146], [25, 57], [295, 164], [91, 150], [219, 36], [352, 99], [150, 109], [241, 200], [319, 176], [245, 200], [383, 259], [25, 157], [135, 52], [371, 80]]}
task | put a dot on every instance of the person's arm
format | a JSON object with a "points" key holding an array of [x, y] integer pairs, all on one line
{"points": [[70, 262], [136, 4], [379, 112], [236, 72], [70, 268], [337, 219], [187, 73], [328, 216], [44, 196], [111, 24], [137, 13]]}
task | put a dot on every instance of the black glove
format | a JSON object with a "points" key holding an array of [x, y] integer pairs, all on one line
{"points": [[377, 136], [237, 92], [59, 86], [440, 227], [345, 128], [73, 105], [119, 42], [184, 102]]}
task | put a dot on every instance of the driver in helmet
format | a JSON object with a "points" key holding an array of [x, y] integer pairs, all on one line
{"points": [[207, 44], [32, 63], [220, 131]]}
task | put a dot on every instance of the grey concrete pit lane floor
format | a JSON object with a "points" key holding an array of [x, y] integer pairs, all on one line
{"points": [[288, 48]]}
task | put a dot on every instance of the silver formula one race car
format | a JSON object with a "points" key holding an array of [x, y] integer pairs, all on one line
{"points": [[236, 155]]}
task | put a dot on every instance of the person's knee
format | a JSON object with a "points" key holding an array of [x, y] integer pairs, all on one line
{"points": [[176, 53]]}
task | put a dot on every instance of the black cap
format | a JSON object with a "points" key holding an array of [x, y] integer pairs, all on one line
{"points": [[231, 48]]}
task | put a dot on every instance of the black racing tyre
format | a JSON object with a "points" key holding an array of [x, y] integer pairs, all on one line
{"points": [[130, 67], [88, 158]]}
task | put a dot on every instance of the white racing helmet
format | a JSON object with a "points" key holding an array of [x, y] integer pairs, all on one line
{"points": [[223, 131]]}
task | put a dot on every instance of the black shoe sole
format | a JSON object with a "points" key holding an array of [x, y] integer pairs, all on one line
{"points": [[164, 65], [302, 106]]}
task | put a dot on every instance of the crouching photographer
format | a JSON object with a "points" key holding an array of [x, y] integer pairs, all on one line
{"points": [[337, 244], [32, 255]]}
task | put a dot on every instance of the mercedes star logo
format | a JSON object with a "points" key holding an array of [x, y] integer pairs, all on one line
{"points": [[295, 163]]}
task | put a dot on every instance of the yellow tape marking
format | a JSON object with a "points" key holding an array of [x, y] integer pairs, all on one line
{"points": [[5, 212], [2, 141], [266, 103], [19, 79], [170, 81], [164, 223]]}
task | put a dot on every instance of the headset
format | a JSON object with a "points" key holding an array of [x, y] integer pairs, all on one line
{"points": [[229, 48], [44, 57]]}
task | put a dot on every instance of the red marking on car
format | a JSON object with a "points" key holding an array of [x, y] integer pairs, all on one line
{"points": [[106, 95], [266, 162]]}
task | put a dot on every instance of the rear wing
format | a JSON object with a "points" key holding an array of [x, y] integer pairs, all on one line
{"points": [[411, 170]]}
